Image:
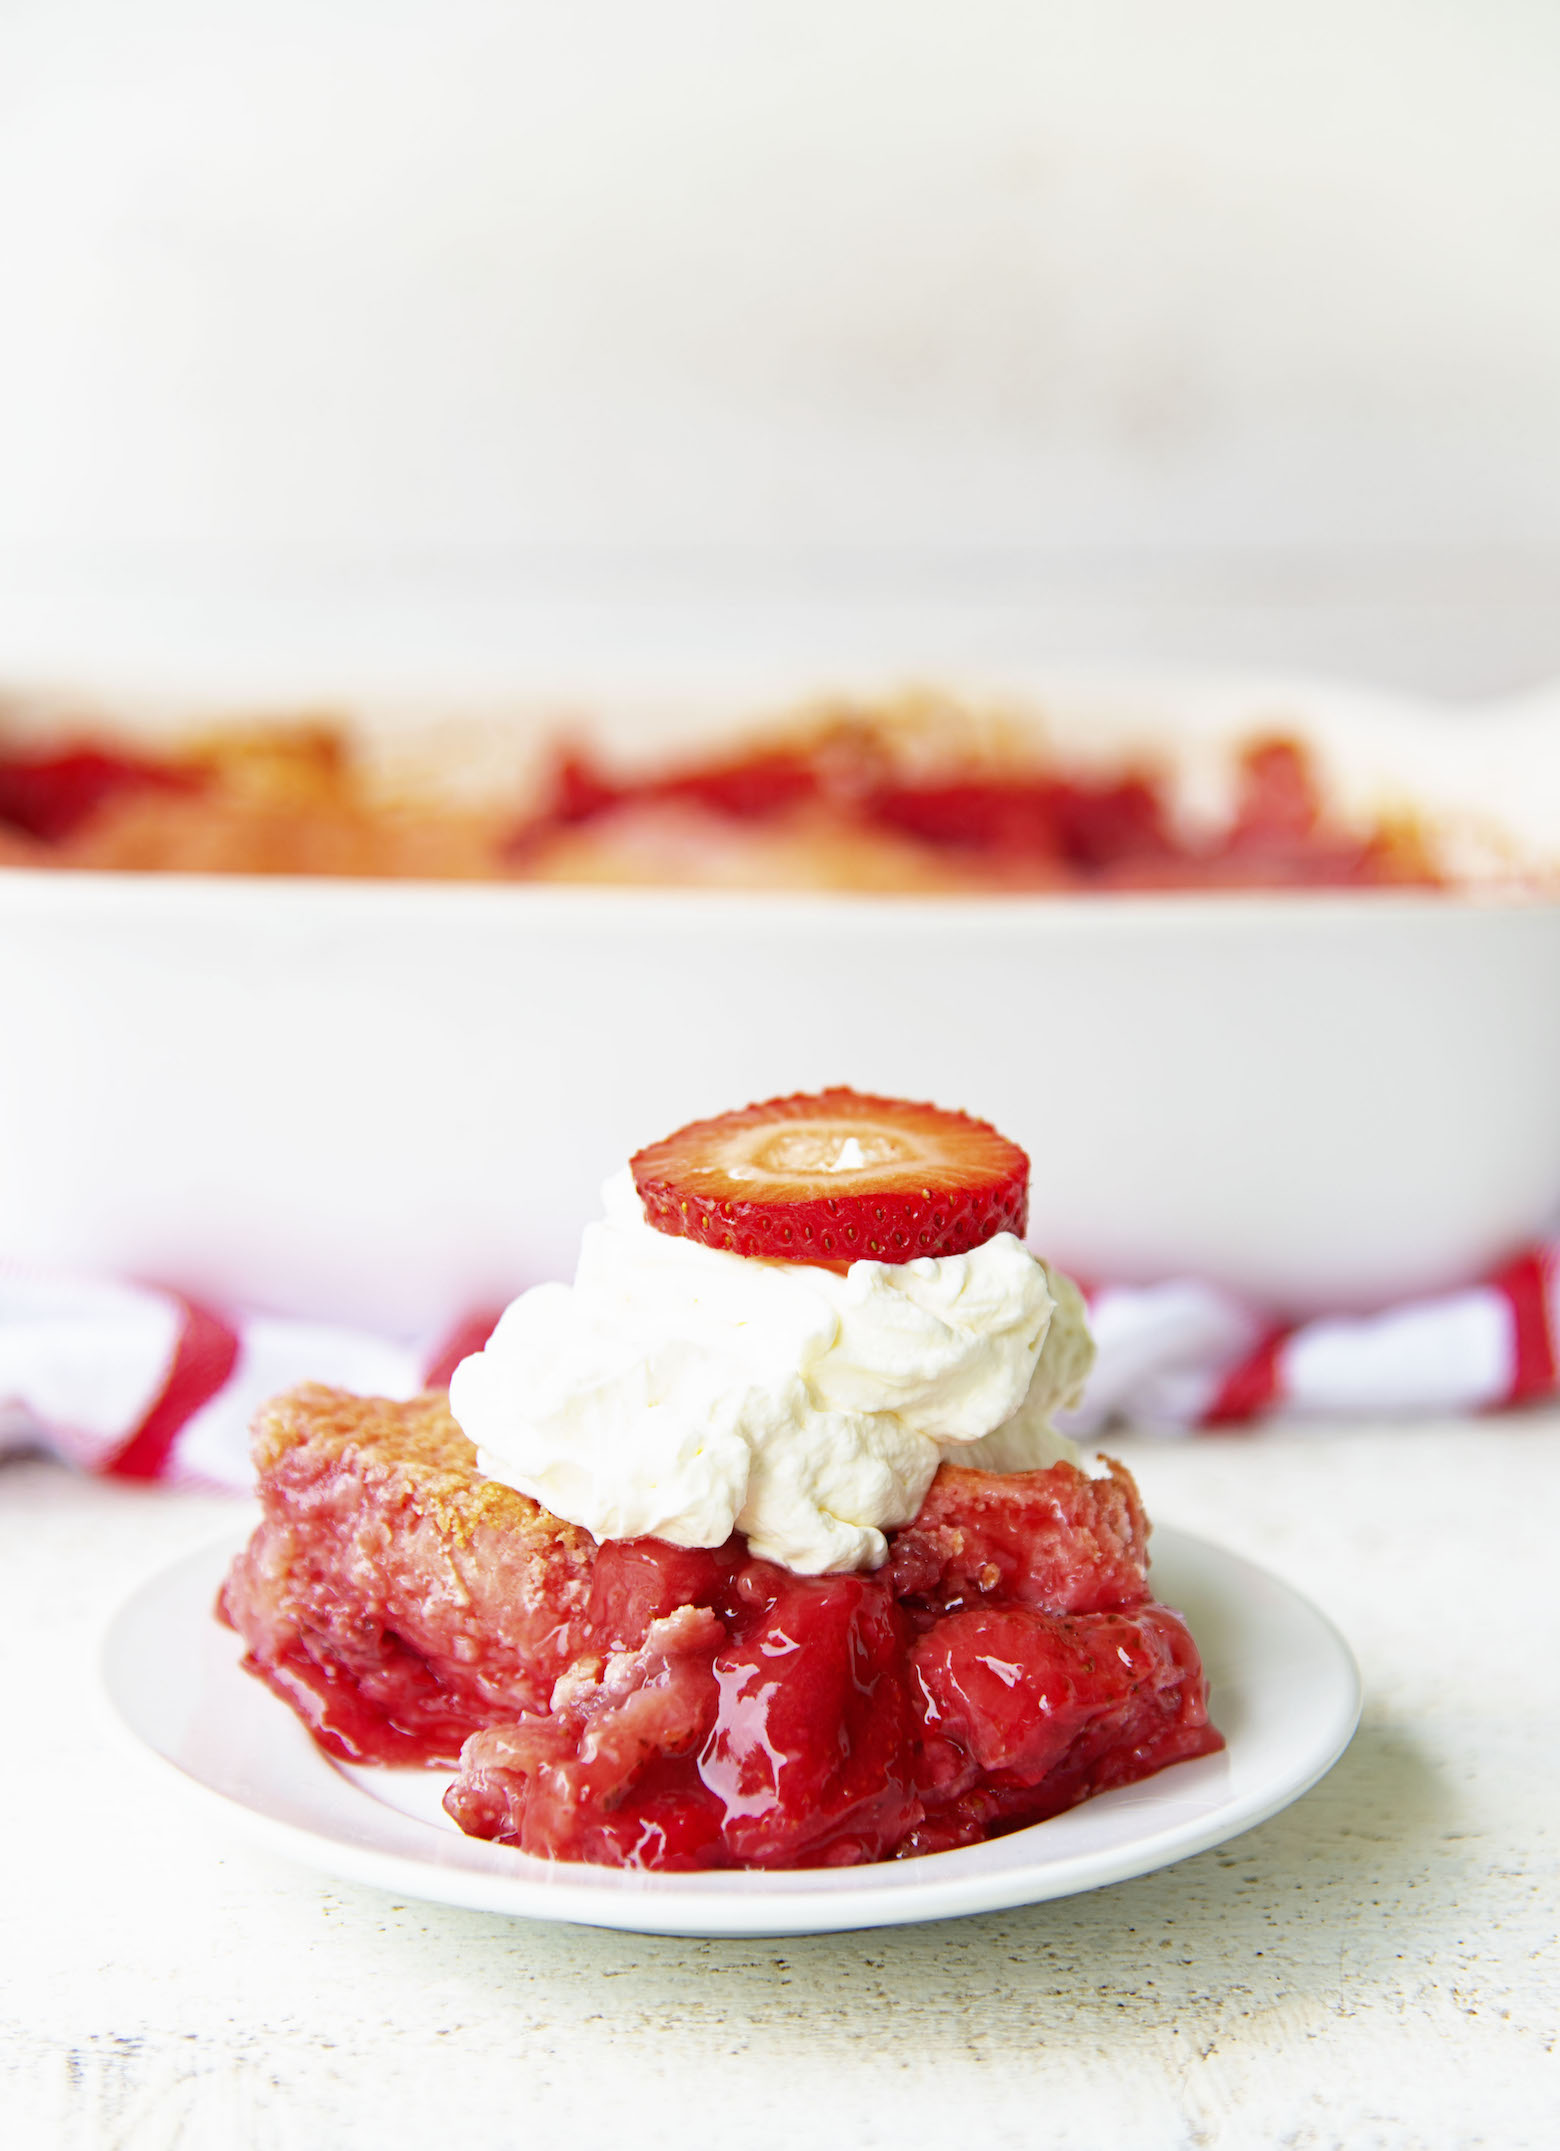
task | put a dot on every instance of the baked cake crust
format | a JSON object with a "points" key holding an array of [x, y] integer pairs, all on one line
{"points": [[381, 1547]]}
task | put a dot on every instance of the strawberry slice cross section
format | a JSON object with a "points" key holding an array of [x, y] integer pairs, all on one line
{"points": [[835, 1177]]}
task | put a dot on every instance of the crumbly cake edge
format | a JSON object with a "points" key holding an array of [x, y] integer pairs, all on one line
{"points": [[416, 1443]]}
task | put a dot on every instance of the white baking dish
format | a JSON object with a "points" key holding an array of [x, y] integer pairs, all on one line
{"points": [[389, 1102]]}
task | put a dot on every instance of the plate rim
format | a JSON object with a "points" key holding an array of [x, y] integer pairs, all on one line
{"points": [[736, 1905]]}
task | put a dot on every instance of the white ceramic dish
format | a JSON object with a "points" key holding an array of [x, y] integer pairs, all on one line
{"points": [[1285, 1692], [388, 1103]]}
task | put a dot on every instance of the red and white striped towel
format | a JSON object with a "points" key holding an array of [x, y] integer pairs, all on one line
{"points": [[144, 1384]]}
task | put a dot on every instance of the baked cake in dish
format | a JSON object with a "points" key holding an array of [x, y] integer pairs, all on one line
{"points": [[914, 798]]}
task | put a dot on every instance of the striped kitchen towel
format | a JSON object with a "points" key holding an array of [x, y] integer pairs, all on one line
{"points": [[146, 1384]]}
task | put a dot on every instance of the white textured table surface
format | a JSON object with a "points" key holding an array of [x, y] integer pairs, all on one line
{"points": [[1378, 1967]]}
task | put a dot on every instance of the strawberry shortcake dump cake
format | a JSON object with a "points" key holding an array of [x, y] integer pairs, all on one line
{"points": [[903, 798], [754, 1547]]}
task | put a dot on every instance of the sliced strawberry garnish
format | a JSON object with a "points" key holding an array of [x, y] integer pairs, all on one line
{"points": [[835, 1177]]}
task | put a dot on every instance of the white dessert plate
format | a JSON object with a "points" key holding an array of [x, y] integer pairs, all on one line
{"points": [[1285, 1693]]}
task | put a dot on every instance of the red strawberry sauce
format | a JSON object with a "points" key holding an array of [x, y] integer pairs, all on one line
{"points": [[1051, 827], [49, 795], [1007, 1662]]}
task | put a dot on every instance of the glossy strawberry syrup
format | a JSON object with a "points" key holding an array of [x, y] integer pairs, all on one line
{"points": [[1006, 1663]]}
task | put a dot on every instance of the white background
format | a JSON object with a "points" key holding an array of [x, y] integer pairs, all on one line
{"points": [[1229, 329]]}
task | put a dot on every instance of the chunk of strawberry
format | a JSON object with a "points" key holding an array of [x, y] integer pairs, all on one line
{"points": [[1026, 1713], [812, 1756], [1054, 1539], [836, 1177], [51, 795], [637, 1581]]}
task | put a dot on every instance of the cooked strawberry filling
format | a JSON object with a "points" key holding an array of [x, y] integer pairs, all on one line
{"points": [[821, 1721], [51, 795], [641, 1704], [876, 800]]}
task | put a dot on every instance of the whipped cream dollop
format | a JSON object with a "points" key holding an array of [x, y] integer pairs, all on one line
{"points": [[681, 1392]]}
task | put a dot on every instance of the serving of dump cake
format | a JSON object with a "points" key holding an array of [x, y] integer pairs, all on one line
{"points": [[729, 1557], [880, 798]]}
